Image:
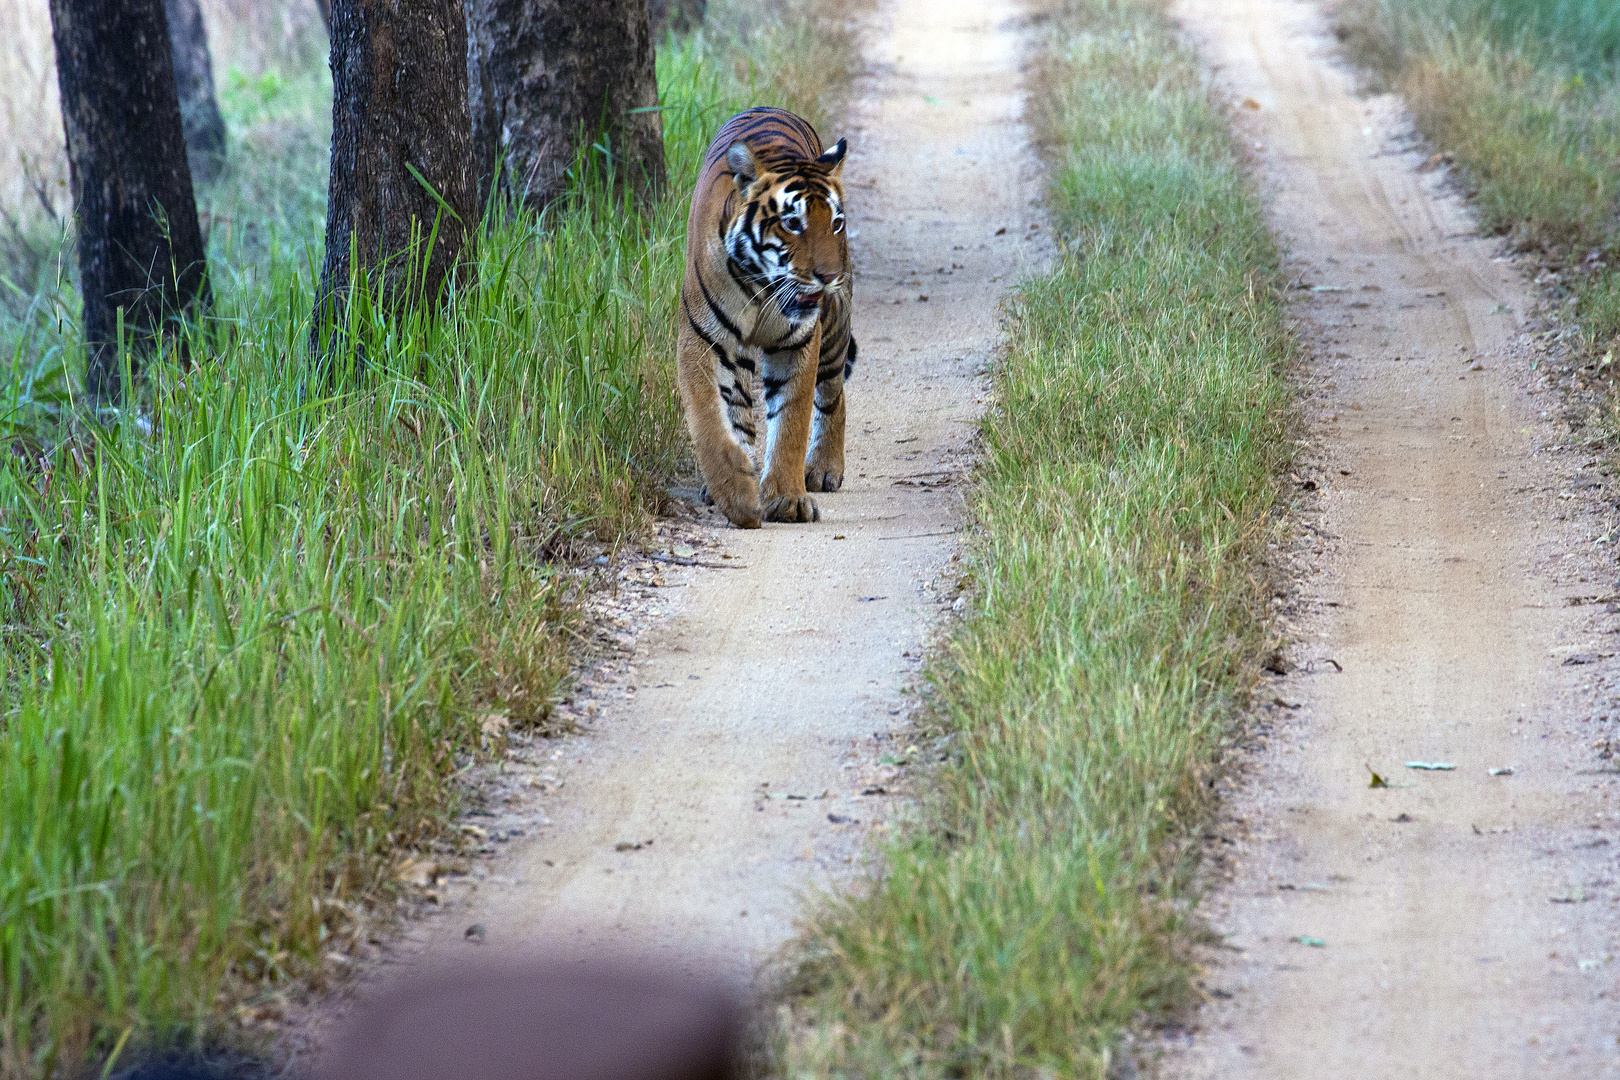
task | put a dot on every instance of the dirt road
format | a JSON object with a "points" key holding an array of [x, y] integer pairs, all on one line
{"points": [[735, 765], [1457, 923]]}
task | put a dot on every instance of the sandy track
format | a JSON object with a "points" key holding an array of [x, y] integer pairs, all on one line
{"points": [[1469, 921], [783, 675]]}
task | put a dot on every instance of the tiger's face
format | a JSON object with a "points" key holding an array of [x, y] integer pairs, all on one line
{"points": [[788, 242]]}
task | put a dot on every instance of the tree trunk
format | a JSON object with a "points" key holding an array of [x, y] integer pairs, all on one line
{"points": [[139, 245], [194, 79], [399, 82], [681, 16], [548, 72]]}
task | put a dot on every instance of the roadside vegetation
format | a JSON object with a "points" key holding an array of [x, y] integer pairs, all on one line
{"points": [[249, 631], [1525, 96], [1040, 905]]}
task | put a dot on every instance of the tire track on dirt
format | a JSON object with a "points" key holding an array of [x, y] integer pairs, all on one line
{"points": [[1458, 923], [722, 777]]}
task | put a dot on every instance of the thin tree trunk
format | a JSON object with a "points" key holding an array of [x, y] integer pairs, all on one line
{"points": [[681, 16], [482, 102], [553, 71], [194, 79], [139, 245], [399, 80]]}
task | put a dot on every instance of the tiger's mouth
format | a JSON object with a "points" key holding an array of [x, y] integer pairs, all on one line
{"points": [[803, 301]]}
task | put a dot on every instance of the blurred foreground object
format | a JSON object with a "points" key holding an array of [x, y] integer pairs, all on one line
{"points": [[546, 1020]]}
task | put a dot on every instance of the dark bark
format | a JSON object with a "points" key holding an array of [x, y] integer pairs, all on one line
{"points": [[399, 81], [681, 16], [325, 8], [194, 80], [549, 73], [139, 245]]}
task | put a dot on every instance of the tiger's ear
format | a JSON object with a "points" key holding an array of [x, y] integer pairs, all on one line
{"points": [[740, 160], [833, 158]]}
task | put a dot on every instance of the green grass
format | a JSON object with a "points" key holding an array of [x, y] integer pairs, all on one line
{"points": [[1525, 94], [1041, 904], [247, 631], [1581, 32]]}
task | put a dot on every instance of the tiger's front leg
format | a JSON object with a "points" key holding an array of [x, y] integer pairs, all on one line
{"points": [[824, 468], [790, 384], [715, 390]]}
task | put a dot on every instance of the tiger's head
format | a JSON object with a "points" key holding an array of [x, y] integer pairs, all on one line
{"points": [[787, 242]]}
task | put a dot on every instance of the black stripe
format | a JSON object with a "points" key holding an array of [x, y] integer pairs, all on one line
{"points": [[774, 386], [780, 135], [808, 132], [835, 342], [720, 316], [743, 276], [714, 346], [698, 330], [799, 344]]}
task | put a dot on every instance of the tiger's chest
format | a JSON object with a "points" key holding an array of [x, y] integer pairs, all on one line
{"points": [[743, 288]]}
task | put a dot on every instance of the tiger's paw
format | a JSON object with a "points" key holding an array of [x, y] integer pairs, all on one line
{"points": [[823, 479], [792, 508], [732, 487], [743, 513], [738, 499]]}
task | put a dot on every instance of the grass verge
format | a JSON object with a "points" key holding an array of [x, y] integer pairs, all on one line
{"points": [[248, 632], [1525, 96], [1040, 905]]}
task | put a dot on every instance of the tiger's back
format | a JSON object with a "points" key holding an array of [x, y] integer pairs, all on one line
{"points": [[767, 292]]}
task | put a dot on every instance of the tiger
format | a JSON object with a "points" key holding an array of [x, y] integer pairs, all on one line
{"points": [[767, 292]]}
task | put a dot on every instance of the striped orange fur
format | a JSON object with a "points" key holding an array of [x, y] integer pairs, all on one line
{"points": [[767, 298]]}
